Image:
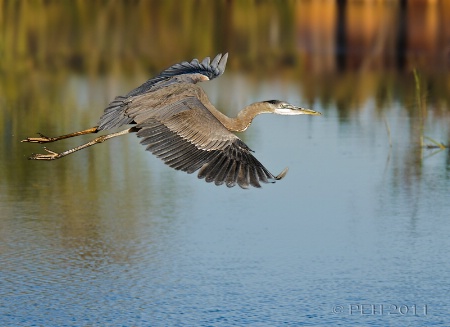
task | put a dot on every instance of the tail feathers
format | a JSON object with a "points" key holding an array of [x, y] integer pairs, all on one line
{"points": [[114, 115]]}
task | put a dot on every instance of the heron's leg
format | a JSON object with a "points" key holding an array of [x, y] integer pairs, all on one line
{"points": [[46, 139], [53, 155]]}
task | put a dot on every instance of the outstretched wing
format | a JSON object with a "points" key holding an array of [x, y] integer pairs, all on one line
{"points": [[187, 136], [184, 72], [208, 68]]}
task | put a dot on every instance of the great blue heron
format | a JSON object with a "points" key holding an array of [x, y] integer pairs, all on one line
{"points": [[178, 124]]}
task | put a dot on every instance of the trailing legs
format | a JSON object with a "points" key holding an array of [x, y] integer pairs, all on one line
{"points": [[51, 155], [46, 139]]}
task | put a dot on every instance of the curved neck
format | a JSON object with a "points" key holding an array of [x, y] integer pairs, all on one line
{"points": [[244, 118]]}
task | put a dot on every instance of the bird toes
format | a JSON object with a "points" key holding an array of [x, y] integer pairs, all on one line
{"points": [[50, 156], [41, 139]]}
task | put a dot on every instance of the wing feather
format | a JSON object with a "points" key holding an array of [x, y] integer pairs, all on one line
{"points": [[231, 178], [210, 171], [242, 178], [224, 171]]}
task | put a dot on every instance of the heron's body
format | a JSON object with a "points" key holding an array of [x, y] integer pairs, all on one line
{"points": [[176, 121]]}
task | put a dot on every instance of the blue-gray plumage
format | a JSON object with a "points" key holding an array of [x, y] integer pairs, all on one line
{"points": [[176, 121], [185, 72]]}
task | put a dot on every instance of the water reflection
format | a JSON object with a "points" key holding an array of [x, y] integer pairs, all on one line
{"points": [[111, 232]]}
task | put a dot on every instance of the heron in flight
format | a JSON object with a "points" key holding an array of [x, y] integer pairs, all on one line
{"points": [[175, 120]]}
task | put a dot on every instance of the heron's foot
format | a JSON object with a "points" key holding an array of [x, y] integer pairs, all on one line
{"points": [[50, 156], [41, 139]]}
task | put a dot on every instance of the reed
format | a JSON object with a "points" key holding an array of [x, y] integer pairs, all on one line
{"points": [[421, 105], [420, 95]]}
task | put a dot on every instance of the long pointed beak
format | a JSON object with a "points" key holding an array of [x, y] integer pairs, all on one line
{"points": [[309, 111], [294, 110]]}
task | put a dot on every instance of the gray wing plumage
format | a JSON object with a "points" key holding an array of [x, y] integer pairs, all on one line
{"points": [[187, 137], [184, 72], [208, 68]]}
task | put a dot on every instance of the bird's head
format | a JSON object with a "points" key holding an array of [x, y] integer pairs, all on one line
{"points": [[284, 108]]}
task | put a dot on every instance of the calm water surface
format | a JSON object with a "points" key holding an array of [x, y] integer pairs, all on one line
{"points": [[355, 235]]}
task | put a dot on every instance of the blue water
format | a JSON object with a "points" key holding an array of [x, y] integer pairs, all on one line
{"points": [[355, 235]]}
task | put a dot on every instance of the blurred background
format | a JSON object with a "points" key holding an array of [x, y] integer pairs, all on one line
{"points": [[111, 235]]}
